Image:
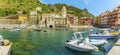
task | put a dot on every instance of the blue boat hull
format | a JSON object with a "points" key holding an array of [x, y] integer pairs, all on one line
{"points": [[103, 37]]}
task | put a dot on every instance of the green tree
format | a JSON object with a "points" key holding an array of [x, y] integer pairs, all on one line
{"points": [[26, 5]]}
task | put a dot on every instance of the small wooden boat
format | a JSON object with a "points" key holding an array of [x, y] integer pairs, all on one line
{"points": [[37, 30], [44, 30]]}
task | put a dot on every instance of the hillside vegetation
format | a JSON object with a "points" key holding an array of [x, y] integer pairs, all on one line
{"points": [[10, 7]]}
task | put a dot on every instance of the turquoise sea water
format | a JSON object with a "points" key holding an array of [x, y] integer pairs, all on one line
{"points": [[28, 42]]}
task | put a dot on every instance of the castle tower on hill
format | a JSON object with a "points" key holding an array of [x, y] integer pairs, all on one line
{"points": [[64, 12]]}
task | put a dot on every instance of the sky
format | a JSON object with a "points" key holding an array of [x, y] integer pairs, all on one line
{"points": [[96, 7]]}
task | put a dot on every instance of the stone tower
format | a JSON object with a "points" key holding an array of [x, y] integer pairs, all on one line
{"points": [[64, 12]]}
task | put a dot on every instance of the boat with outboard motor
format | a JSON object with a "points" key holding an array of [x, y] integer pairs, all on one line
{"points": [[105, 34], [96, 42], [78, 45], [93, 41]]}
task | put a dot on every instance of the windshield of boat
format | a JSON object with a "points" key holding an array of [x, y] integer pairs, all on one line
{"points": [[80, 35]]}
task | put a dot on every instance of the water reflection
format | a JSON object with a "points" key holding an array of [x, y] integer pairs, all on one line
{"points": [[51, 42]]}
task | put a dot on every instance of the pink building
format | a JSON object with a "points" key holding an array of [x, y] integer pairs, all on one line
{"points": [[111, 17]]}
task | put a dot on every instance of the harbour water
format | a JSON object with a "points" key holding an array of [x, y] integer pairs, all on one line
{"points": [[29, 42]]}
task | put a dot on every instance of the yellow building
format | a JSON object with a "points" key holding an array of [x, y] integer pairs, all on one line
{"points": [[22, 18]]}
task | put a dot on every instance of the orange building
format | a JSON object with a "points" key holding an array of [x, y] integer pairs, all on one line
{"points": [[111, 17], [73, 20], [86, 21]]}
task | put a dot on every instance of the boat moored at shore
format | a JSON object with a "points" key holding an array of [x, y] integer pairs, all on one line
{"points": [[93, 41], [80, 46], [106, 34]]}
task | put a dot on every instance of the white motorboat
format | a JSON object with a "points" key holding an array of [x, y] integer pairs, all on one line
{"points": [[119, 31], [105, 34], [96, 42], [80, 46]]}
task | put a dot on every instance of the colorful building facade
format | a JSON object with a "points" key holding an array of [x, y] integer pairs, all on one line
{"points": [[22, 18], [85, 21], [55, 19], [72, 20], [111, 17]]}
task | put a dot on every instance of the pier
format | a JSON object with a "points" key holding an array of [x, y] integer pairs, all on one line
{"points": [[5, 50], [115, 49]]}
